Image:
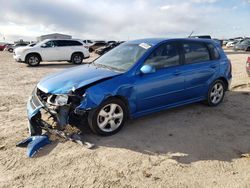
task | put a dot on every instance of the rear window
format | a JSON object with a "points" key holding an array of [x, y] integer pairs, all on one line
{"points": [[195, 52]]}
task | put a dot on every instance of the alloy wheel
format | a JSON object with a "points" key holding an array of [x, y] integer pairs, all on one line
{"points": [[217, 93], [77, 59], [110, 117], [33, 60]]}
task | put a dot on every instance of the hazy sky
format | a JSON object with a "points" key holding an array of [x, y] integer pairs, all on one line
{"points": [[123, 19]]}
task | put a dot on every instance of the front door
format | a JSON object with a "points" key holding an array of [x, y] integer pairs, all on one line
{"points": [[164, 86], [49, 51]]}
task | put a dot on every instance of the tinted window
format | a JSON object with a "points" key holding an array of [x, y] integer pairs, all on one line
{"points": [[214, 52], [68, 43], [75, 43], [195, 52], [164, 56]]}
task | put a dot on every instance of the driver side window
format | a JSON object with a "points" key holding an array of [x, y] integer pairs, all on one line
{"points": [[166, 55]]}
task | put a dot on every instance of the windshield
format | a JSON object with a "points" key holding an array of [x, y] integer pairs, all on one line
{"points": [[39, 43], [122, 57]]}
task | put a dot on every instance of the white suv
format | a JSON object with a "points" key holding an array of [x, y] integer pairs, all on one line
{"points": [[52, 50]]}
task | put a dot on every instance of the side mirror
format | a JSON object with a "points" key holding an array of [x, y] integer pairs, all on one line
{"points": [[147, 69], [43, 46]]}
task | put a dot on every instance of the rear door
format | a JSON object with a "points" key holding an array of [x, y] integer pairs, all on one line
{"points": [[200, 69], [64, 47]]}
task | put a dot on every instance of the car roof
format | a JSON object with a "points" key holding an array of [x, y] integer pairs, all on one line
{"points": [[155, 41]]}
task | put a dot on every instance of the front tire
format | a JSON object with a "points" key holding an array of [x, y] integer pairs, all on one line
{"points": [[77, 58], [108, 118], [216, 93], [33, 60]]}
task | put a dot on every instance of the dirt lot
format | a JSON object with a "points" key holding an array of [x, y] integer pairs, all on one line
{"points": [[191, 146]]}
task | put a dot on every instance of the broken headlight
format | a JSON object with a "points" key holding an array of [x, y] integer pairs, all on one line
{"points": [[61, 100]]}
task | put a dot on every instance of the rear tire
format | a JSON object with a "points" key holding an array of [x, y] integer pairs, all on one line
{"points": [[248, 49], [77, 58], [33, 60], [10, 50], [216, 93], [108, 118]]}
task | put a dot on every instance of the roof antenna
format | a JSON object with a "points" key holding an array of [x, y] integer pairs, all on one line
{"points": [[191, 34]]}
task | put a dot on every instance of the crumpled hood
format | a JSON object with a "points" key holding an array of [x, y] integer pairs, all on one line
{"points": [[65, 81]]}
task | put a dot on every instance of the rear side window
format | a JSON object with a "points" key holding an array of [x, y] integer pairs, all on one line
{"points": [[214, 52], [68, 43], [166, 55], [75, 43], [195, 52]]}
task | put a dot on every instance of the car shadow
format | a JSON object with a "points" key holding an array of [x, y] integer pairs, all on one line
{"points": [[190, 133]]}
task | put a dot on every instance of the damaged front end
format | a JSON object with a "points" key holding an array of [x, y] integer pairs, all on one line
{"points": [[52, 111]]}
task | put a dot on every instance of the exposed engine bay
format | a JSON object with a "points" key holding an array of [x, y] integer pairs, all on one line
{"points": [[54, 111]]}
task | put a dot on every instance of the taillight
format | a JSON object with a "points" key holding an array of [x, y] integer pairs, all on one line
{"points": [[230, 64]]}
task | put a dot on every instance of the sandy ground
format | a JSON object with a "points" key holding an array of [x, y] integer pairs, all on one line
{"points": [[190, 146]]}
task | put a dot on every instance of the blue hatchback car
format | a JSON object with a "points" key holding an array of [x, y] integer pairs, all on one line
{"points": [[134, 79]]}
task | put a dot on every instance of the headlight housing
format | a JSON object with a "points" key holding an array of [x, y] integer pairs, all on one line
{"points": [[61, 100]]}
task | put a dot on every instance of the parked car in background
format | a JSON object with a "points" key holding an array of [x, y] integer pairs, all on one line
{"points": [[2, 46], [52, 50], [248, 66], [11, 48], [134, 79], [88, 43], [106, 48], [231, 44], [243, 45], [96, 44], [225, 41]]}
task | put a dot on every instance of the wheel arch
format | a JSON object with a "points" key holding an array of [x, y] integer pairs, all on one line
{"points": [[77, 52], [224, 80], [35, 53], [123, 99]]}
